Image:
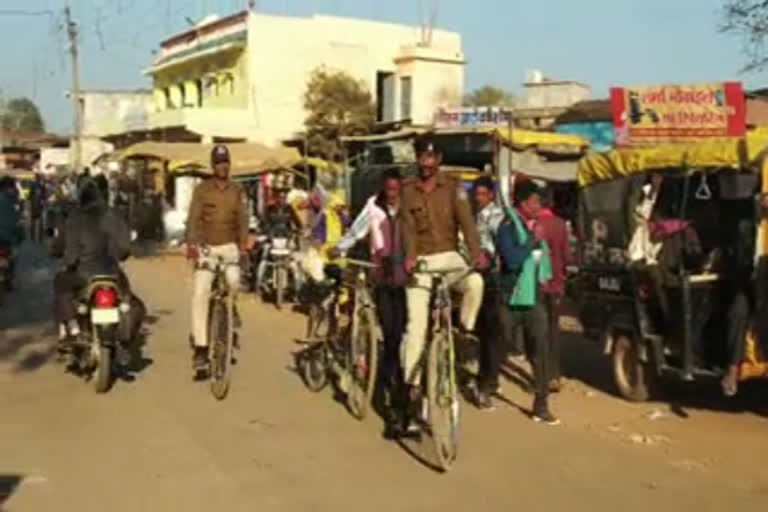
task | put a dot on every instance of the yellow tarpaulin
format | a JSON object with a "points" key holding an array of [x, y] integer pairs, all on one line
{"points": [[518, 139], [247, 157], [323, 165], [734, 153], [523, 139]]}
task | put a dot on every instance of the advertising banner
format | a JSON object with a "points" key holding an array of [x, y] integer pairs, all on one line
{"points": [[472, 116], [669, 113]]}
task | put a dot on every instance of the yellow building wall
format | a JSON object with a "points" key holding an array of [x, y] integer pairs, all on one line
{"points": [[223, 77]]}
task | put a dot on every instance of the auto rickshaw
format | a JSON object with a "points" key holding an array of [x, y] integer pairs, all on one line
{"points": [[662, 229]]}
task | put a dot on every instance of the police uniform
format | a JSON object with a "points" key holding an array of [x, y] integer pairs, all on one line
{"points": [[218, 219], [431, 223]]}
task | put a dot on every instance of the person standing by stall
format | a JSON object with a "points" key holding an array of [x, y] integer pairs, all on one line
{"points": [[492, 337], [555, 233]]}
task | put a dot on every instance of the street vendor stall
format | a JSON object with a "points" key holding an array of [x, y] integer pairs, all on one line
{"points": [[178, 167], [550, 157]]}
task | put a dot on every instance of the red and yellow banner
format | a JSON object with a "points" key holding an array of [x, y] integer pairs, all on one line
{"points": [[666, 113]]}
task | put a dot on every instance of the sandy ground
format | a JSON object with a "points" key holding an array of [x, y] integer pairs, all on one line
{"points": [[163, 443]]}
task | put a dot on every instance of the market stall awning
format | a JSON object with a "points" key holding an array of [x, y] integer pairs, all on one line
{"points": [[545, 142], [733, 153], [533, 165], [247, 157]]}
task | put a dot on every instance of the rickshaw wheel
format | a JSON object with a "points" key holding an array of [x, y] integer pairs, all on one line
{"points": [[632, 376]]}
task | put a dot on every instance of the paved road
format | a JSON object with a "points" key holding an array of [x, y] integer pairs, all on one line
{"points": [[163, 443]]}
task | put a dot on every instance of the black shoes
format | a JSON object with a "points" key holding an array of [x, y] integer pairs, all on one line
{"points": [[200, 358]]}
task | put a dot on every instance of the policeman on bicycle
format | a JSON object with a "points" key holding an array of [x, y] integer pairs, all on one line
{"points": [[435, 207], [217, 222]]}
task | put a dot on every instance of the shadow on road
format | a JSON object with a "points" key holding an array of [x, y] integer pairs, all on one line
{"points": [[8, 486], [25, 316], [583, 360]]}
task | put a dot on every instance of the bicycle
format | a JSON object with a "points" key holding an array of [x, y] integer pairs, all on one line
{"points": [[350, 352], [221, 332], [439, 364]]}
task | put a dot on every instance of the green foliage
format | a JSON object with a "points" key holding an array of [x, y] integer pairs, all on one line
{"points": [[489, 96], [337, 105], [21, 115]]}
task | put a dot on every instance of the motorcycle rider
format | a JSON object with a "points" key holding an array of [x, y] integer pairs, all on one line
{"points": [[280, 221], [37, 205], [93, 242], [218, 220], [11, 232]]}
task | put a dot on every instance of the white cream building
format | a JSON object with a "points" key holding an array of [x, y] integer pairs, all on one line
{"points": [[244, 76]]}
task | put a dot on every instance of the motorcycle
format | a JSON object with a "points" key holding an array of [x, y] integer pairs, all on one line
{"points": [[278, 274], [97, 349]]}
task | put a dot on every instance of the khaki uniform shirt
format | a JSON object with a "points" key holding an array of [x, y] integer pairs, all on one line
{"points": [[217, 216], [432, 219]]}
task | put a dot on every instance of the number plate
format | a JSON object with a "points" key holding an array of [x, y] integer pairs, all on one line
{"points": [[609, 284], [280, 252], [103, 316], [280, 243]]}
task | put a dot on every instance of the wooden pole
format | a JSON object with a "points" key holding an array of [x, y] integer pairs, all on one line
{"points": [[75, 94]]}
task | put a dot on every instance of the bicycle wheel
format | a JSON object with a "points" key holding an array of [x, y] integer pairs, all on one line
{"points": [[220, 336], [443, 398], [313, 367], [362, 362]]}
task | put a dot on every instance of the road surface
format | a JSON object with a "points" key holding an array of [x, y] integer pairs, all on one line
{"points": [[163, 443]]}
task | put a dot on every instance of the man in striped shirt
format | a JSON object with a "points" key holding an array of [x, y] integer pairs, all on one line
{"points": [[489, 217]]}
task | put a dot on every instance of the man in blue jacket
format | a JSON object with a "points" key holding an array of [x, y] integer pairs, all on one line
{"points": [[525, 266]]}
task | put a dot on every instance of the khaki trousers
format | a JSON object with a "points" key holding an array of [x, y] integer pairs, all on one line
{"points": [[418, 296], [203, 281]]}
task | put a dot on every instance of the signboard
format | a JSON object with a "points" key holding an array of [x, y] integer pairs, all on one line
{"points": [[667, 113], [472, 116]]}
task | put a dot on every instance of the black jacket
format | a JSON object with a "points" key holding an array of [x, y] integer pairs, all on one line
{"points": [[281, 221], [94, 240]]}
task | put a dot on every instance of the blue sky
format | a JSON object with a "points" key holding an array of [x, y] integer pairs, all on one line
{"points": [[601, 42]]}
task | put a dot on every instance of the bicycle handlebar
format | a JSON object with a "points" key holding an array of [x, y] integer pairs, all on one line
{"points": [[360, 263]]}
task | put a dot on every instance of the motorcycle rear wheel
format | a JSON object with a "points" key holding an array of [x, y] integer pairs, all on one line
{"points": [[102, 378]]}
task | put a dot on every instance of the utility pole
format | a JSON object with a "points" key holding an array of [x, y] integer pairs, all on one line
{"points": [[75, 93]]}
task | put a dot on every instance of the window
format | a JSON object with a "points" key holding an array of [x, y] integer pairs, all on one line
{"points": [[228, 83], [211, 87], [168, 99], [182, 95], [199, 89], [406, 92], [385, 96]]}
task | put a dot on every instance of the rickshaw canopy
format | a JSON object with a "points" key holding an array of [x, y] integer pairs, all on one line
{"points": [[733, 153], [516, 138], [247, 157]]}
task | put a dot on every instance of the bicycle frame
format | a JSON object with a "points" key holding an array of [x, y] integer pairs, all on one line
{"points": [[220, 293]]}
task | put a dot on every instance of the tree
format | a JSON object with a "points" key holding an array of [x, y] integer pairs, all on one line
{"points": [[748, 19], [21, 115], [489, 96], [337, 106]]}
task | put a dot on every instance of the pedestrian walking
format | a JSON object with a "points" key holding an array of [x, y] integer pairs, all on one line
{"points": [[555, 234]]}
